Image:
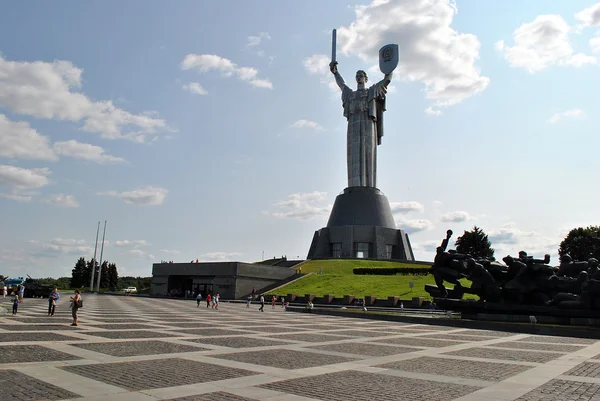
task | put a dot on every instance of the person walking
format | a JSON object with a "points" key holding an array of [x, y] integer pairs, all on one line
{"points": [[76, 303], [262, 303], [249, 301], [208, 299], [15, 304], [273, 301], [21, 292], [198, 299], [52, 299], [216, 301]]}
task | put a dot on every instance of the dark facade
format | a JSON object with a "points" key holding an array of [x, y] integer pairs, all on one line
{"points": [[229, 279], [361, 226]]}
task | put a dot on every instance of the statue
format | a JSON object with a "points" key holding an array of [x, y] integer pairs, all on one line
{"points": [[363, 108]]}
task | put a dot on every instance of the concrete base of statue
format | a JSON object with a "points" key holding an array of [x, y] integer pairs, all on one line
{"points": [[361, 226]]}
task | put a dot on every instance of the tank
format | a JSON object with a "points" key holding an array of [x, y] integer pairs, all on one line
{"points": [[33, 288]]}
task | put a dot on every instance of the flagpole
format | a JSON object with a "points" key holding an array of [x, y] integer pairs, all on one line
{"points": [[94, 259], [101, 254]]}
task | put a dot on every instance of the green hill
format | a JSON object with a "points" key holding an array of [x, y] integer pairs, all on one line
{"points": [[338, 280]]}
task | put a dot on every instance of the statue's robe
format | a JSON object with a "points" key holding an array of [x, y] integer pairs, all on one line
{"points": [[364, 110]]}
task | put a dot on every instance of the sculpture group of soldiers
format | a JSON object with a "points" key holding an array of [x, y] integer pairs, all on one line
{"points": [[522, 279]]}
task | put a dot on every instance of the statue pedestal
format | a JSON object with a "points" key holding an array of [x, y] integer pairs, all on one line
{"points": [[361, 226]]}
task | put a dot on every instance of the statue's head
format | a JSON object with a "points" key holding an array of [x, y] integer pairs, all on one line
{"points": [[565, 259], [522, 254], [361, 77]]}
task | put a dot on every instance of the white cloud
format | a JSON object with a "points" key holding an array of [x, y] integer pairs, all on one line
{"points": [[590, 16], [141, 197], [433, 112], [138, 253], [194, 87], [63, 246], [431, 50], [455, 217], [170, 251], [15, 197], [318, 64], [302, 206], [218, 256], [85, 151], [227, 68], [62, 200], [572, 113], [307, 124], [19, 140], [17, 178], [595, 44], [412, 226], [256, 40], [49, 90], [133, 243], [541, 44], [406, 207], [509, 239]]}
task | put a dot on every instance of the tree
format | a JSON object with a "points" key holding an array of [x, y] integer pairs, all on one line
{"points": [[581, 243], [88, 273], [78, 273], [113, 277], [475, 243], [104, 275]]}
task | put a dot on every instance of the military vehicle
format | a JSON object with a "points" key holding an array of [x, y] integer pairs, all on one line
{"points": [[12, 285], [33, 288]]}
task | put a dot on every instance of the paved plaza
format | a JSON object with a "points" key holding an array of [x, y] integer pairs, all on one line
{"points": [[129, 348]]}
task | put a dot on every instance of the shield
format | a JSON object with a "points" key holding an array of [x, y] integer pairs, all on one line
{"points": [[389, 55]]}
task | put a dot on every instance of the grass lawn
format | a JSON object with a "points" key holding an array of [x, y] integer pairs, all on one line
{"points": [[338, 280]]}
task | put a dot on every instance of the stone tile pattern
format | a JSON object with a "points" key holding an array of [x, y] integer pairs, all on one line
{"points": [[558, 340], [458, 368], [563, 390], [43, 336], [355, 385], [238, 342], [507, 355], [284, 359], [419, 342], [365, 349], [216, 396], [586, 369], [16, 386], [32, 353], [310, 337], [129, 334], [539, 346], [156, 374], [134, 348]]}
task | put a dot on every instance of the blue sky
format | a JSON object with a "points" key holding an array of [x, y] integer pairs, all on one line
{"points": [[215, 131]]}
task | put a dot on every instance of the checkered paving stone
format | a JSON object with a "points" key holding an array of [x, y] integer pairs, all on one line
{"points": [[128, 334], [507, 355], [238, 342], [32, 353], [52, 320], [563, 390], [16, 386], [539, 346], [363, 333], [284, 359], [419, 342], [119, 326], [490, 333], [586, 369], [39, 327], [107, 321], [142, 375], [354, 385], [218, 396], [273, 329], [458, 368], [365, 349], [559, 340], [193, 325], [43, 336], [209, 332], [458, 337], [134, 348], [309, 337]]}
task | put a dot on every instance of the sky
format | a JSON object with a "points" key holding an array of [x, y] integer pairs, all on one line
{"points": [[215, 131]]}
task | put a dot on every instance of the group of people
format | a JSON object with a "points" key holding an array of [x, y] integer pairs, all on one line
{"points": [[76, 303], [211, 300]]}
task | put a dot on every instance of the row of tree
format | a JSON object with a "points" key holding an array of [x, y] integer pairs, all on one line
{"points": [[81, 275], [580, 244]]}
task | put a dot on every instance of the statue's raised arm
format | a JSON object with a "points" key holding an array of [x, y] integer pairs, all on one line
{"points": [[338, 78]]}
